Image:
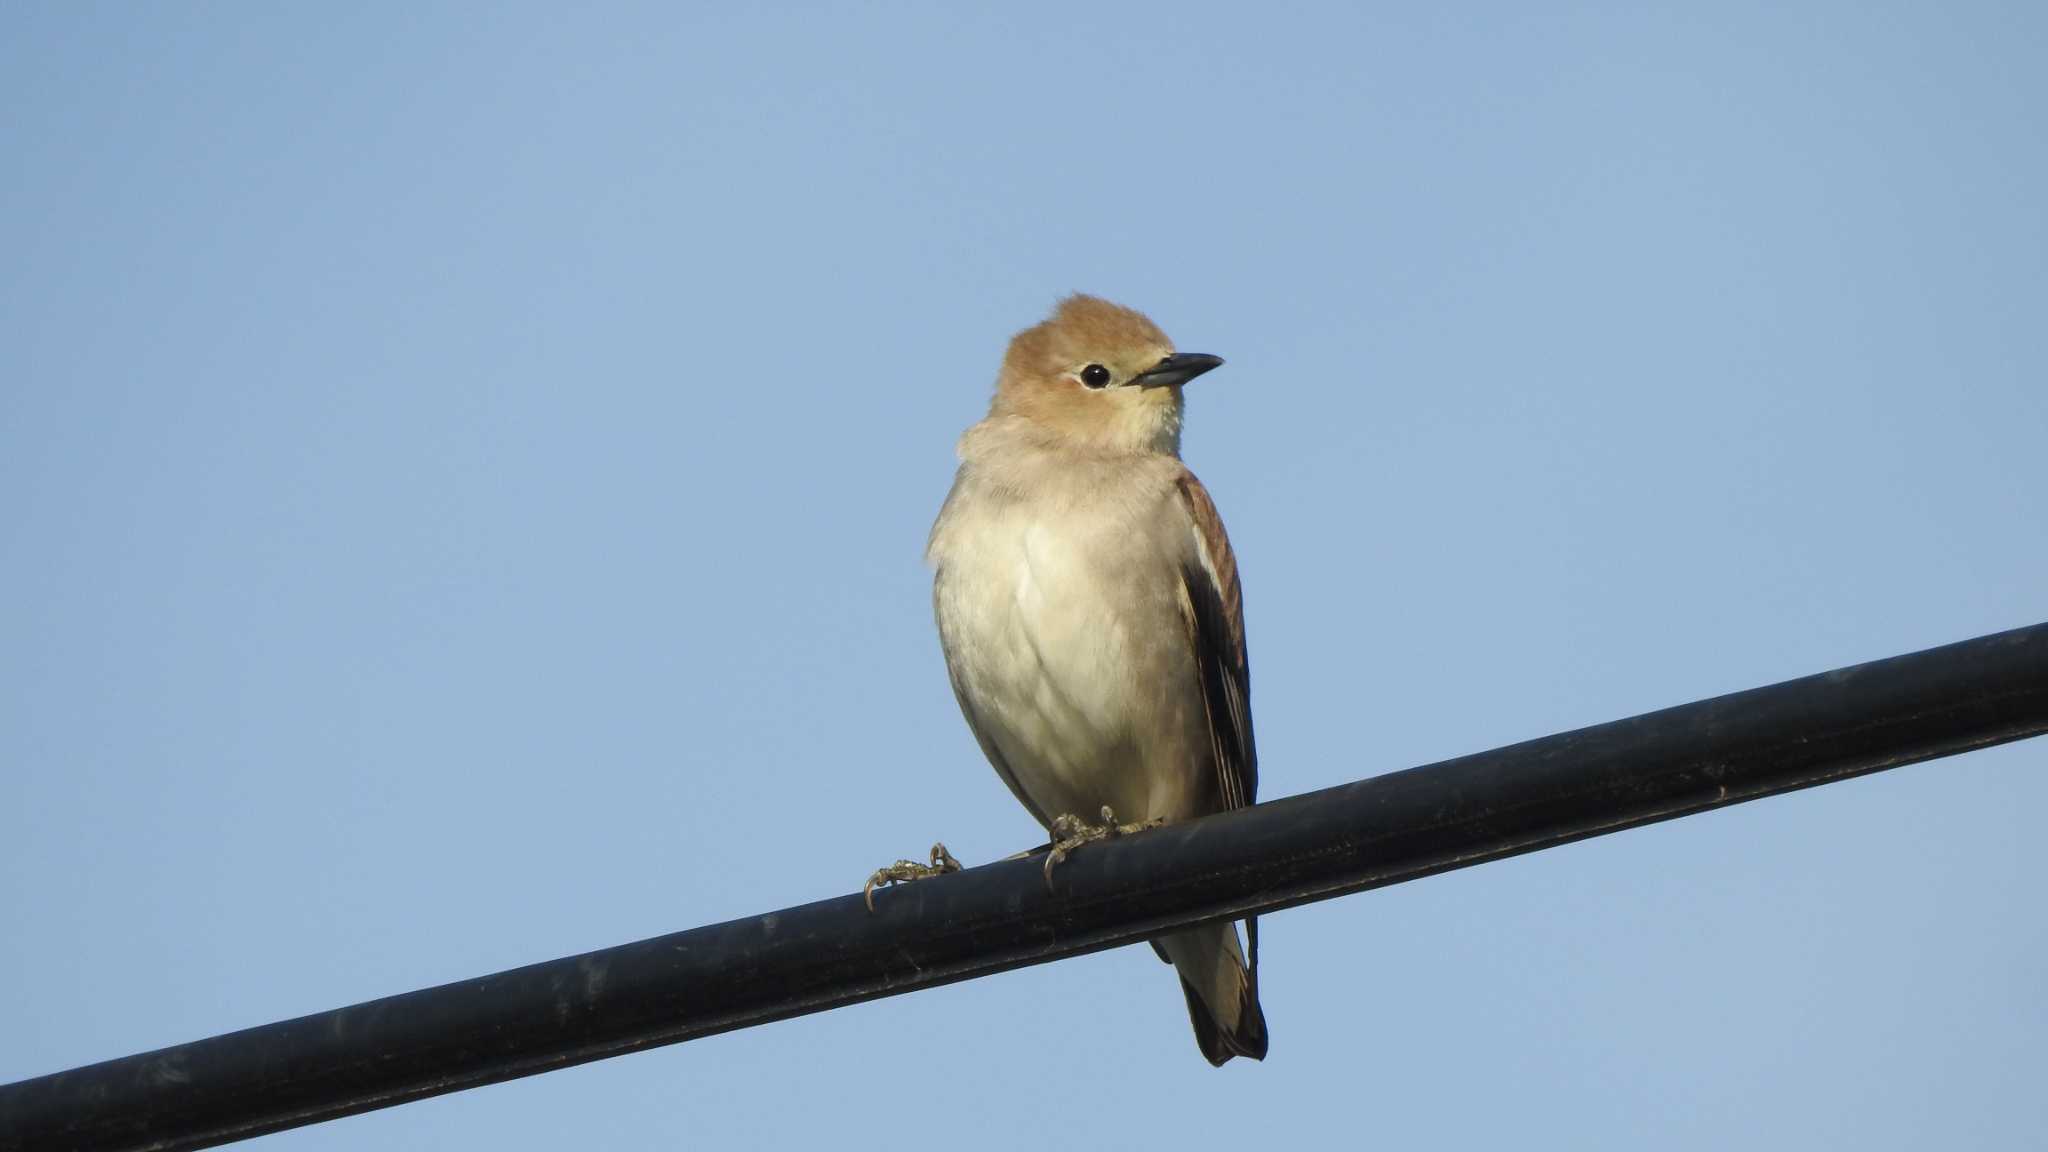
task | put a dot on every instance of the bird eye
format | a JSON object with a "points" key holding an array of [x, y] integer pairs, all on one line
{"points": [[1095, 376]]}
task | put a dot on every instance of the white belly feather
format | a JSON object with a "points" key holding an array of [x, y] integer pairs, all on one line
{"points": [[1072, 670]]}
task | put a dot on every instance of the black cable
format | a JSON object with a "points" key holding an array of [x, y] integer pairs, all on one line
{"points": [[1374, 832]]}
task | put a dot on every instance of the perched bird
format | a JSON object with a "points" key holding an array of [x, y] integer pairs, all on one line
{"points": [[1089, 609]]}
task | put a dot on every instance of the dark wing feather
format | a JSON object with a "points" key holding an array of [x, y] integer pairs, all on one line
{"points": [[1215, 617], [1214, 607]]}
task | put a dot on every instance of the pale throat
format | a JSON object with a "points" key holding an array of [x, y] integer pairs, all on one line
{"points": [[1140, 422]]}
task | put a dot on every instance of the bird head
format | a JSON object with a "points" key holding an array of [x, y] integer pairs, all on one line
{"points": [[1100, 376]]}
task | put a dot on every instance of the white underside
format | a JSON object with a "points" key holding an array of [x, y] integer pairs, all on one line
{"points": [[1061, 608], [1078, 679]]}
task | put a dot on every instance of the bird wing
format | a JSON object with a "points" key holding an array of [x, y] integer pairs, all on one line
{"points": [[1212, 605]]}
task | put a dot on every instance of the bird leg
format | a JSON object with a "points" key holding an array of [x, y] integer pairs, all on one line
{"points": [[904, 871], [1070, 832]]}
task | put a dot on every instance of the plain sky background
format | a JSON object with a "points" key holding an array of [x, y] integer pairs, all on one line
{"points": [[466, 468]]}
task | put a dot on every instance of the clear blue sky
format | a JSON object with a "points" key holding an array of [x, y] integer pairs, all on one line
{"points": [[464, 469]]}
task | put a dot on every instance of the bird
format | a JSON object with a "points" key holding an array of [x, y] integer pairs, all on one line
{"points": [[1089, 610]]}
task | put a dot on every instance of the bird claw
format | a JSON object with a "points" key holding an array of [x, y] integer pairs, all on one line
{"points": [[904, 871], [1070, 832]]}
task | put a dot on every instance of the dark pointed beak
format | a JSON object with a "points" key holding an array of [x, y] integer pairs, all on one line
{"points": [[1178, 368]]}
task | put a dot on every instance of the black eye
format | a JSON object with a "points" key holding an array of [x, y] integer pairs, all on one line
{"points": [[1095, 376]]}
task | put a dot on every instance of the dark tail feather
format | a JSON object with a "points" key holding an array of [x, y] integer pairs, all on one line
{"points": [[1219, 1045], [1222, 990]]}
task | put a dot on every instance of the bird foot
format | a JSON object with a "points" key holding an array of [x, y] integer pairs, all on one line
{"points": [[1070, 832], [904, 871]]}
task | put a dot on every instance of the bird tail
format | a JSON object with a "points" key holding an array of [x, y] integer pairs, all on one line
{"points": [[1222, 990]]}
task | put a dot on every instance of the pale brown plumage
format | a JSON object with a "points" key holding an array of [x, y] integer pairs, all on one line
{"points": [[1089, 608]]}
